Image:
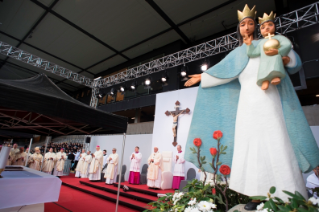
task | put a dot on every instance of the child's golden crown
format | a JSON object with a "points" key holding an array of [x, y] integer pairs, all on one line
{"points": [[270, 17]]}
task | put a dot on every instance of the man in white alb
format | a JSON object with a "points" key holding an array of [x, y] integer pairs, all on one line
{"points": [[154, 174], [96, 165], [59, 166], [79, 166], [179, 173], [13, 153], [136, 157], [20, 158], [48, 163], [104, 160], [111, 170], [86, 165]]}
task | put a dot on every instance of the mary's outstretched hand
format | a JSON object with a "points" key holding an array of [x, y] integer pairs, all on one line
{"points": [[194, 79]]}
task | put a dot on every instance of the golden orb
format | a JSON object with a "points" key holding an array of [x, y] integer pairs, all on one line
{"points": [[271, 44]]}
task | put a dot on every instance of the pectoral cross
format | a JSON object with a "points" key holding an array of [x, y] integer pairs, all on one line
{"points": [[175, 115]]}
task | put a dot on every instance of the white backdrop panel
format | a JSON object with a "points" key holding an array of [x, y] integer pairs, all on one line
{"points": [[144, 141], [162, 132]]}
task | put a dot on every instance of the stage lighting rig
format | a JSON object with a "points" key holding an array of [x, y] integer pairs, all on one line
{"points": [[184, 73]]}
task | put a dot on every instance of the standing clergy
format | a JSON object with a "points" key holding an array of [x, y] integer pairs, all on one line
{"points": [[59, 166], [179, 173], [96, 165], [136, 157], [49, 160], [86, 165], [104, 159], [79, 166], [13, 153], [20, 158], [111, 170], [154, 174], [36, 160]]}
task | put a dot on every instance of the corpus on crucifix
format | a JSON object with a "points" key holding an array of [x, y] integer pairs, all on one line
{"points": [[175, 115]]}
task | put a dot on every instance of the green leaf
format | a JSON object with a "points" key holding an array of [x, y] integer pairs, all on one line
{"points": [[272, 190], [279, 200], [261, 198], [293, 195], [225, 148], [272, 205], [299, 195], [294, 204], [267, 205], [283, 208], [219, 163], [222, 147], [204, 162]]}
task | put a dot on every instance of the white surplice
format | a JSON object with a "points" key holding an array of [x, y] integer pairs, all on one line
{"points": [[20, 159], [59, 166], [154, 174], [79, 166], [111, 170], [179, 168], [96, 166], [86, 166], [135, 162], [48, 164]]}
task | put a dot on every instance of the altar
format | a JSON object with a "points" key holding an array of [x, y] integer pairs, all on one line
{"points": [[28, 187]]}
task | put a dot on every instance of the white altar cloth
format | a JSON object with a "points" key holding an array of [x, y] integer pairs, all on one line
{"points": [[28, 187]]}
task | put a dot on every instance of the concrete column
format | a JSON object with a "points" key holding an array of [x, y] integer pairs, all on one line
{"points": [[137, 115]]}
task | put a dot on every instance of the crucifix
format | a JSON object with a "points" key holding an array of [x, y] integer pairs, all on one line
{"points": [[175, 115]]}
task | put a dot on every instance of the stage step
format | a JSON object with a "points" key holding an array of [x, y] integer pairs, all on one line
{"points": [[110, 196], [151, 193]]}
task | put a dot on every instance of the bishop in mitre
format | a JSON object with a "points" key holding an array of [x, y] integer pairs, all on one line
{"points": [[96, 165], [20, 158], [111, 170], [86, 165], [79, 166], [60, 160], [136, 157], [36, 160], [154, 174], [49, 160]]}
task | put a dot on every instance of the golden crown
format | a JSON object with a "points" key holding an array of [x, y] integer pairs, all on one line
{"points": [[270, 17], [246, 13]]}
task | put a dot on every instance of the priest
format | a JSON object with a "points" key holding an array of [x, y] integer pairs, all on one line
{"points": [[13, 153], [49, 160], [59, 166], [111, 170], [86, 165], [179, 173], [104, 160], [154, 174], [20, 158], [96, 165], [79, 166], [136, 157], [36, 160]]}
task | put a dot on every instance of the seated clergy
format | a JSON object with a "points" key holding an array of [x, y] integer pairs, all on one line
{"points": [[59, 166], [154, 174], [20, 158], [36, 159], [136, 157], [111, 170], [86, 165], [48, 163], [96, 165], [179, 173], [79, 166]]}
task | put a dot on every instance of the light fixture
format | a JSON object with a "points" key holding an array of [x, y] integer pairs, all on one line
{"points": [[184, 73], [100, 95], [133, 86], [122, 89], [317, 95], [147, 83], [164, 79], [204, 65], [112, 92], [133, 118]]}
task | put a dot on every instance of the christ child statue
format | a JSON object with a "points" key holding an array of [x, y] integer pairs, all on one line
{"points": [[271, 50]]}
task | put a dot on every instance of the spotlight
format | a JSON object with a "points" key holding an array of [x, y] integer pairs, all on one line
{"points": [[122, 89], [204, 65], [112, 92], [147, 83], [133, 86], [164, 79], [100, 95], [184, 73]]}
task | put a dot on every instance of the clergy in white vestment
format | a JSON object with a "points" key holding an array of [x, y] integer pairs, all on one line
{"points": [[20, 158], [49, 160], [154, 173], [79, 166], [60, 160], [96, 165], [111, 170], [14, 151], [104, 160], [86, 165], [36, 160], [136, 157], [179, 173]]}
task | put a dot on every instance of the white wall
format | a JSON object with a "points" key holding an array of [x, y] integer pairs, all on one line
{"points": [[144, 141], [162, 132]]}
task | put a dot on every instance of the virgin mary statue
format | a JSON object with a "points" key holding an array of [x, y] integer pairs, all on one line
{"points": [[266, 132]]}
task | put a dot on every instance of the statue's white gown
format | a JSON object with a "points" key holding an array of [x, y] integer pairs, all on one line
{"points": [[263, 154]]}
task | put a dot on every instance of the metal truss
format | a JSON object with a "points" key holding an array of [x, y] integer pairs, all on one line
{"points": [[286, 23], [26, 57]]}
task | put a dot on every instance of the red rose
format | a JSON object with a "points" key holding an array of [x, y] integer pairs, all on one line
{"points": [[217, 135], [213, 151], [213, 191], [197, 142], [224, 169]]}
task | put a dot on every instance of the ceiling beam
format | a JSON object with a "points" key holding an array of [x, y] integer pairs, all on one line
{"points": [[32, 28], [70, 126], [78, 28]]}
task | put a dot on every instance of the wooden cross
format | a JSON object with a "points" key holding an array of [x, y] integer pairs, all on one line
{"points": [[176, 113]]}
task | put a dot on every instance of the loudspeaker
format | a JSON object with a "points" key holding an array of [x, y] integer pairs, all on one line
{"points": [[88, 140]]}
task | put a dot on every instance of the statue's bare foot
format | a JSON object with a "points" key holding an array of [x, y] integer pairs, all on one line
{"points": [[174, 143], [265, 85], [275, 81]]}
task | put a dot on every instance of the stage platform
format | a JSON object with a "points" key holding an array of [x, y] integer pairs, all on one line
{"points": [[136, 199]]}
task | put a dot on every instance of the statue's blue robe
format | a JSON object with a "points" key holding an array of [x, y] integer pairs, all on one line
{"points": [[216, 109]]}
